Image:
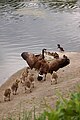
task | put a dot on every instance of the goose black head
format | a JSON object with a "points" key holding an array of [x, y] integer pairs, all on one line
{"points": [[58, 45], [43, 50]]}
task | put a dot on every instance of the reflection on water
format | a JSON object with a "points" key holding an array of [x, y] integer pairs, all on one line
{"points": [[60, 4], [10, 5], [32, 26]]}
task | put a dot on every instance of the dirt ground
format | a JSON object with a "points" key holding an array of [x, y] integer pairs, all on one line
{"points": [[68, 79]]}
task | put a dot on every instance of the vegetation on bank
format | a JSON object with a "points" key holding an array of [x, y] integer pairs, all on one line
{"points": [[66, 109]]}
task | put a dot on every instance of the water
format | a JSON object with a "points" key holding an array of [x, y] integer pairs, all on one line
{"points": [[32, 27]]}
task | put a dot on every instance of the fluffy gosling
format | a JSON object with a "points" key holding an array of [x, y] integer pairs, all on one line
{"points": [[29, 83], [7, 94], [28, 86], [31, 79], [14, 87], [54, 78], [23, 75]]}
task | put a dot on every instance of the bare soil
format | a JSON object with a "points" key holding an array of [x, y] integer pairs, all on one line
{"points": [[68, 79]]}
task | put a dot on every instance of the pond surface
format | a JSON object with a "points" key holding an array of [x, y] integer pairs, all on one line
{"points": [[32, 26]]}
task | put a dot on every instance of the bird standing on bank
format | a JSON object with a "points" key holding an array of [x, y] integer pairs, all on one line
{"points": [[60, 48]]}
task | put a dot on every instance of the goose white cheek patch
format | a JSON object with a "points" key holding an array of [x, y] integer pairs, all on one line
{"points": [[40, 77]]}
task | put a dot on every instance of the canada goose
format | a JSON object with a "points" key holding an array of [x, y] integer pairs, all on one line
{"points": [[60, 48]]}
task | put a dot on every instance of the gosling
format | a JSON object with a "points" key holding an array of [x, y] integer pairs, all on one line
{"points": [[28, 86], [24, 75], [15, 86], [56, 55], [54, 78], [29, 83], [31, 79], [7, 94]]}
